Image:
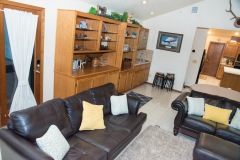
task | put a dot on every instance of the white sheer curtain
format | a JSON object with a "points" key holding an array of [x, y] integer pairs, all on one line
{"points": [[21, 28]]}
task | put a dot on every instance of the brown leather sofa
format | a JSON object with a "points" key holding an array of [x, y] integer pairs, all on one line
{"points": [[193, 125], [27, 125]]}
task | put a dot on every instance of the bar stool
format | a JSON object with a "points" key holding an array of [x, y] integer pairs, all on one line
{"points": [[158, 80], [169, 81]]}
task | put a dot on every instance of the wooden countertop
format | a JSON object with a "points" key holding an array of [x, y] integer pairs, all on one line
{"points": [[216, 90], [140, 63], [91, 71], [231, 70]]}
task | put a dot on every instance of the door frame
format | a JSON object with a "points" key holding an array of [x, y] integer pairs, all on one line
{"points": [[38, 55]]}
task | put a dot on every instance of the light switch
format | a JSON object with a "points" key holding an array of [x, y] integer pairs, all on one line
{"points": [[194, 61]]}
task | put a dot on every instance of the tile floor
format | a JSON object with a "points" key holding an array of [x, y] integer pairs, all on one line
{"points": [[159, 109], [204, 79]]}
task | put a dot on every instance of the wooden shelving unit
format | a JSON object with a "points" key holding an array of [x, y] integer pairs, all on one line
{"points": [[88, 41], [102, 38]]}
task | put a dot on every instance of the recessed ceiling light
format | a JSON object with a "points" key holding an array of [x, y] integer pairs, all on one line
{"points": [[151, 12], [209, 32], [144, 2], [236, 33]]}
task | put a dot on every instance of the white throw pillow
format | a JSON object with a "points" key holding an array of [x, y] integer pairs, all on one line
{"points": [[196, 106], [53, 143], [119, 104], [235, 123]]}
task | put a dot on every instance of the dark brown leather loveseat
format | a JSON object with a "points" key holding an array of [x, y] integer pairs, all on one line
{"points": [[193, 125], [27, 125]]}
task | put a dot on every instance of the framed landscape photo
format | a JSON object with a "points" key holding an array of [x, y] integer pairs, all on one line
{"points": [[169, 41]]}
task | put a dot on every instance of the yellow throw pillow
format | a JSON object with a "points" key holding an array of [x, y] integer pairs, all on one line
{"points": [[92, 117], [217, 114]]}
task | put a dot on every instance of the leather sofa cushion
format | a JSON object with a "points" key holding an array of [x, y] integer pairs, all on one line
{"points": [[209, 99], [228, 133], [230, 104], [199, 124], [33, 122], [74, 108], [102, 94], [210, 147], [126, 121], [81, 150], [109, 139]]}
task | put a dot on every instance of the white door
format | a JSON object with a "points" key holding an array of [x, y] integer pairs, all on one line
{"points": [[196, 56]]}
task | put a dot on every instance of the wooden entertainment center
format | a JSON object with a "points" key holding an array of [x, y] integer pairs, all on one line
{"points": [[74, 43]]}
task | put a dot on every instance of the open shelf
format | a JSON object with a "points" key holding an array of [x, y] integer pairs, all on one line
{"points": [[86, 39], [102, 40], [83, 29], [92, 51], [109, 32], [131, 37]]}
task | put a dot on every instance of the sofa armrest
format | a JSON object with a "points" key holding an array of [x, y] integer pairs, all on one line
{"points": [[19, 147], [180, 104], [133, 105]]}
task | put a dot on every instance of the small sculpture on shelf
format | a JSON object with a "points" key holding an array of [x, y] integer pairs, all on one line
{"points": [[78, 47], [126, 48], [102, 10], [102, 47], [130, 17], [134, 34], [104, 27], [83, 25], [82, 36], [127, 34]]}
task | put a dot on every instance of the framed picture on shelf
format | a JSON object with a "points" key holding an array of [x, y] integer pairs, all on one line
{"points": [[169, 41]]}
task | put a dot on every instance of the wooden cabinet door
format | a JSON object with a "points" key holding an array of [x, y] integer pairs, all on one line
{"points": [[143, 38], [100, 80], [135, 81], [220, 72], [230, 50], [128, 84], [122, 82], [146, 73], [84, 84], [113, 78], [212, 59]]}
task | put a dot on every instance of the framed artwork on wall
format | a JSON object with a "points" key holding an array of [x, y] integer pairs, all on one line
{"points": [[169, 41]]}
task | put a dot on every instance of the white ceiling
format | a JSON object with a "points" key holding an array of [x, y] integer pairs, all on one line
{"points": [[142, 11]]}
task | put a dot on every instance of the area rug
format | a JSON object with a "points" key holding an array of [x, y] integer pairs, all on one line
{"points": [[143, 99], [158, 144]]}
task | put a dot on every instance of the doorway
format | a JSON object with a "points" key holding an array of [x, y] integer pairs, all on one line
{"points": [[212, 58], [8, 79], [214, 46]]}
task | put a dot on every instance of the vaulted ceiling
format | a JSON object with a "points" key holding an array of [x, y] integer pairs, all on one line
{"points": [[142, 11]]}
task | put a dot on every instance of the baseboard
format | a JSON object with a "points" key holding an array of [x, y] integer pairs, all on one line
{"points": [[163, 88]]}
